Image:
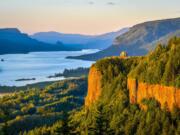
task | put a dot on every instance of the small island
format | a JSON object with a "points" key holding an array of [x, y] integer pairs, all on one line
{"points": [[26, 79], [2, 60]]}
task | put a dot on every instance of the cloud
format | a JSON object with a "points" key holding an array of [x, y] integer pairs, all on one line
{"points": [[108, 3], [111, 3], [91, 3]]}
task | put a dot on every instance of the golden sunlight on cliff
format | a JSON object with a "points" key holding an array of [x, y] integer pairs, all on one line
{"points": [[94, 86], [164, 94]]}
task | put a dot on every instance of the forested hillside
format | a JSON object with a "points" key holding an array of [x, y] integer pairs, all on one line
{"points": [[59, 109], [13, 41], [112, 112], [162, 66], [34, 108]]}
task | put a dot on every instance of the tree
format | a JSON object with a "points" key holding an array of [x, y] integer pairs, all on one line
{"points": [[63, 128]]}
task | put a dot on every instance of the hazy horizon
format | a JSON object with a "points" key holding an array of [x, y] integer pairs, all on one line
{"points": [[83, 17]]}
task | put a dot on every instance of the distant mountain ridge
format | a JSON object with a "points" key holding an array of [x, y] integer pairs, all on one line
{"points": [[80, 41], [139, 39], [13, 41], [163, 40]]}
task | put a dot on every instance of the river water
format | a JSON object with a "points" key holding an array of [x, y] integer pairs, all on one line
{"points": [[38, 65]]}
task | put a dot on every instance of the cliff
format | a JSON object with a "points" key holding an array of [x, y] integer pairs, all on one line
{"points": [[94, 86], [163, 94], [156, 76], [138, 91]]}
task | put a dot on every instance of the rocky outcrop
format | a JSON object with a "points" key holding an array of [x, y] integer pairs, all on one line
{"points": [[164, 94], [138, 91], [132, 86], [94, 86]]}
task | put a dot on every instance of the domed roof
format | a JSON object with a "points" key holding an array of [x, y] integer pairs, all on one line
{"points": [[123, 54]]}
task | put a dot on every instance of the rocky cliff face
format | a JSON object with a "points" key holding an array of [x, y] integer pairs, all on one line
{"points": [[94, 86], [137, 91], [164, 94]]}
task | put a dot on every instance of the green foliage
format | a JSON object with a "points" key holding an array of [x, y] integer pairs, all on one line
{"points": [[78, 72], [117, 117], [35, 108], [162, 66], [113, 114], [55, 110], [110, 68]]}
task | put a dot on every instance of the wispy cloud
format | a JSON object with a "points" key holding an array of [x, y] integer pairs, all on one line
{"points": [[91, 3], [111, 3], [108, 3]]}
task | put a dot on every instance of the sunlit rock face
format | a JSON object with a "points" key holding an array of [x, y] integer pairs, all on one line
{"points": [[164, 94], [94, 86]]}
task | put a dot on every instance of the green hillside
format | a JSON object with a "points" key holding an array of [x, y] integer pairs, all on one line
{"points": [[162, 66], [58, 108], [139, 39], [30, 109], [113, 114]]}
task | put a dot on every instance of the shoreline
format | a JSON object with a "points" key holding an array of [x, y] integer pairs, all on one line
{"points": [[6, 90]]}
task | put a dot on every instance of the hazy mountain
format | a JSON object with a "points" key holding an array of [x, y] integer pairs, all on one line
{"points": [[13, 41], [163, 40], [139, 39], [79, 41]]}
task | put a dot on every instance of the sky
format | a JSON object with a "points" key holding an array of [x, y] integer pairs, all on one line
{"points": [[83, 16]]}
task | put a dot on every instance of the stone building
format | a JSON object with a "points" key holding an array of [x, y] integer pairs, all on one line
{"points": [[123, 55]]}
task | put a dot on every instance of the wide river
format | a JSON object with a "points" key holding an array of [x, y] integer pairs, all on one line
{"points": [[38, 65]]}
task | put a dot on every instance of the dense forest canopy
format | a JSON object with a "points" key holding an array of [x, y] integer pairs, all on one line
{"points": [[78, 72], [33, 108], [113, 114], [58, 108], [162, 66]]}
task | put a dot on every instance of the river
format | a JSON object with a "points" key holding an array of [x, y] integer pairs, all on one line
{"points": [[38, 65]]}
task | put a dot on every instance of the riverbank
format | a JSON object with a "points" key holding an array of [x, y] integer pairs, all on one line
{"points": [[20, 69], [7, 90], [4, 90]]}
